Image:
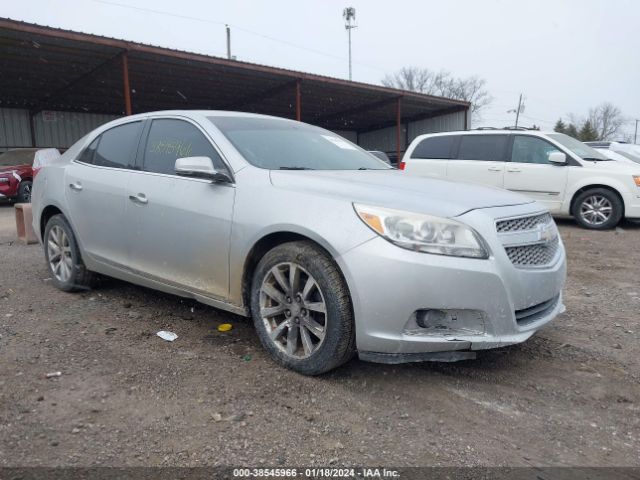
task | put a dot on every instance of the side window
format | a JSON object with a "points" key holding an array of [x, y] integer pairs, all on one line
{"points": [[531, 150], [88, 154], [170, 139], [117, 146], [483, 147], [435, 147]]}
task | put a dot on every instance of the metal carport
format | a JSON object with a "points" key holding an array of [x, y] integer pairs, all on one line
{"points": [[45, 69]]}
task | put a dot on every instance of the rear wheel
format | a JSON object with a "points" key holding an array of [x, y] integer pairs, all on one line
{"points": [[301, 309], [598, 209], [24, 192], [63, 257]]}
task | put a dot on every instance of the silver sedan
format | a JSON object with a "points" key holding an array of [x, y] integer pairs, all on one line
{"points": [[327, 248]]}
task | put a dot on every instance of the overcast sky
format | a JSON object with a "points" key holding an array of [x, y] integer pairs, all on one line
{"points": [[564, 55]]}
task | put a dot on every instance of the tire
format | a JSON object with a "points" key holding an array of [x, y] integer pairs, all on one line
{"points": [[24, 192], [592, 206], [71, 275], [296, 312]]}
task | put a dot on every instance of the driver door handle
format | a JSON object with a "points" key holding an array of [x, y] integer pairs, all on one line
{"points": [[75, 186], [514, 170], [140, 198], [495, 169]]}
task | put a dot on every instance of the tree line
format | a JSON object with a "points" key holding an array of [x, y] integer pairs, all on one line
{"points": [[604, 122]]}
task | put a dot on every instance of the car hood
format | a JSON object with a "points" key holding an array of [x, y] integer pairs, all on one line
{"points": [[18, 168], [396, 189], [613, 166]]}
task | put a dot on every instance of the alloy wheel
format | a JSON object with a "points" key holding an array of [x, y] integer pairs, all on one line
{"points": [[26, 195], [293, 310], [59, 254], [596, 210]]}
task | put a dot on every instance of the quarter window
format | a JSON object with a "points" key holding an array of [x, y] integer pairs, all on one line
{"points": [[483, 147], [170, 139], [89, 152], [531, 150], [117, 146], [435, 147]]}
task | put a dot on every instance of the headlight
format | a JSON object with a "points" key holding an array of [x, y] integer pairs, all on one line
{"points": [[423, 233]]}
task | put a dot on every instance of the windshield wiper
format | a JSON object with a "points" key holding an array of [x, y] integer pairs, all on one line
{"points": [[594, 159], [295, 168]]}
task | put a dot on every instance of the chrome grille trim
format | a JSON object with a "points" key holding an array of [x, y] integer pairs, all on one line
{"points": [[522, 223], [530, 241]]}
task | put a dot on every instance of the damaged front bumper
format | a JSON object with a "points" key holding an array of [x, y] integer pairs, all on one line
{"points": [[411, 306]]}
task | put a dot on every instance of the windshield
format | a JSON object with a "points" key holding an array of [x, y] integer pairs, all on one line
{"points": [[580, 149], [274, 144], [13, 158]]}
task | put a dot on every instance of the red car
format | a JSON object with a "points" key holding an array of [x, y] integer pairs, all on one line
{"points": [[17, 170]]}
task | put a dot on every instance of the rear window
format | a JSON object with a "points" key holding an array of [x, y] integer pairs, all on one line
{"points": [[117, 146], [435, 147], [483, 147]]}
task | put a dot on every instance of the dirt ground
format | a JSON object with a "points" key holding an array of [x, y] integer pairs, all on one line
{"points": [[568, 396]]}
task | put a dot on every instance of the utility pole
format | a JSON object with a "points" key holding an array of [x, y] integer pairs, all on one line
{"points": [[518, 110], [349, 15], [228, 42]]}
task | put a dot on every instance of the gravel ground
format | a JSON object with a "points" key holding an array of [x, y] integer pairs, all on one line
{"points": [[568, 396]]}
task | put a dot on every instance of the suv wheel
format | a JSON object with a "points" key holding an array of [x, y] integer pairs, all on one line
{"points": [[24, 192], [598, 209], [301, 309], [63, 257]]}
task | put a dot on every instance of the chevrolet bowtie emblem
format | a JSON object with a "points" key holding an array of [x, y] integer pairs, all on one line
{"points": [[546, 232]]}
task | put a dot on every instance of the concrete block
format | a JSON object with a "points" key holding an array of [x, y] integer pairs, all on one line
{"points": [[24, 223]]}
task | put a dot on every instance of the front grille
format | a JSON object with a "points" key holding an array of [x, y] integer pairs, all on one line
{"points": [[531, 314], [523, 223], [534, 255]]}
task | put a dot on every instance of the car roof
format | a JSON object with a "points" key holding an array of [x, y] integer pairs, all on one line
{"points": [[536, 133]]}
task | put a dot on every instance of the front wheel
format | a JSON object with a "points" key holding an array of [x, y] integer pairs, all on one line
{"points": [[24, 192], [598, 209], [301, 309]]}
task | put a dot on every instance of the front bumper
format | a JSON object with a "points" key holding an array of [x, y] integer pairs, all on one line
{"points": [[389, 284]]}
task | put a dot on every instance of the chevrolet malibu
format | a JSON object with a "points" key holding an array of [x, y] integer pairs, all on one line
{"points": [[328, 249]]}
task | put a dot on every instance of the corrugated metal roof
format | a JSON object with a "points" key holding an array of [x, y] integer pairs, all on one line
{"points": [[55, 69]]}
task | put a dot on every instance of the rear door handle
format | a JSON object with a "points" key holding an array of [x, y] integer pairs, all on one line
{"points": [[514, 170], [75, 186], [140, 198], [495, 169]]}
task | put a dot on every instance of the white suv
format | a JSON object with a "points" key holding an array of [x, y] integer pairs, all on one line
{"points": [[565, 175]]}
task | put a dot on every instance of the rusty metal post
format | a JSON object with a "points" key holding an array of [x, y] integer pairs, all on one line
{"points": [[298, 101], [127, 88], [398, 128]]}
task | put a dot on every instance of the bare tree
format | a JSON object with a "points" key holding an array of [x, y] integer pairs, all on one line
{"points": [[443, 84], [607, 120]]}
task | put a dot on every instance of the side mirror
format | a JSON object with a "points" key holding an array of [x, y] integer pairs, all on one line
{"points": [[200, 167], [558, 158]]}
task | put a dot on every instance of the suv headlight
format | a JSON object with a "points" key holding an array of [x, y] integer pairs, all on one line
{"points": [[423, 233]]}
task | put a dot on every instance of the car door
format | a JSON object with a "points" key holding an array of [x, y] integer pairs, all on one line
{"points": [[180, 227], [480, 159], [96, 192], [529, 171], [430, 157]]}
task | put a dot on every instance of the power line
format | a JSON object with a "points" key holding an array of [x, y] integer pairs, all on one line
{"points": [[242, 29]]}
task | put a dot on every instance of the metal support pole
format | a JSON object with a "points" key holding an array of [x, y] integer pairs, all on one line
{"points": [[398, 128], [32, 128], [349, 30], [228, 42], [466, 119], [298, 101], [127, 88], [635, 136]]}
